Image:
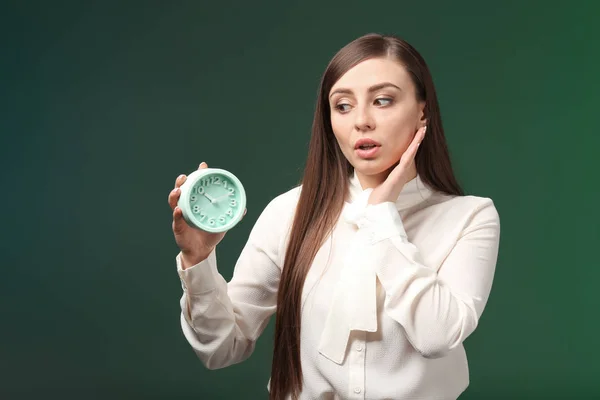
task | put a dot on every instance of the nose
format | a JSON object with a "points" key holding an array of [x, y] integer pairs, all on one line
{"points": [[364, 120]]}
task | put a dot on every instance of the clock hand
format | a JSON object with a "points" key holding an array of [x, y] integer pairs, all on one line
{"points": [[209, 198], [221, 197]]}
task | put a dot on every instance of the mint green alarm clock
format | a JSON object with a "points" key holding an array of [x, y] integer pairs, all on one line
{"points": [[212, 200]]}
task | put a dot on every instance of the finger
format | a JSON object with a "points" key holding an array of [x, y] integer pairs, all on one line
{"points": [[423, 131], [419, 136], [179, 181], [178, 221], [410, 153], [202, 165], [174, 197]]}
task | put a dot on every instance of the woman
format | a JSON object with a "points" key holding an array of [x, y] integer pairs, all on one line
{"points": [[377, 266]]}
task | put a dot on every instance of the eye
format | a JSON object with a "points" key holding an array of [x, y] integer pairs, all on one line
{"points": [[340, 107], [386, 101]]}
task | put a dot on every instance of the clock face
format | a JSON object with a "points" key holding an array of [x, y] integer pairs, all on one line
{"points": [[214, 200]]}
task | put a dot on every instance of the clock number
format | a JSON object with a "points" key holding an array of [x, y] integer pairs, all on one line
{"points": [[233, 203], [231, 191], [230, 212], [202, 216], [224, 183], [222, 219], [193, 198], [217, 180], [196, 209], [198, 189], [211, 221]]}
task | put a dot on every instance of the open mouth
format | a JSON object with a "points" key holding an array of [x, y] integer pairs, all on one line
{"points": [[366, 146], [367, 151]]}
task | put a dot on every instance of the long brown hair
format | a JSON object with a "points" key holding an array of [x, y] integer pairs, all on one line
{"points": [[325, 185]]}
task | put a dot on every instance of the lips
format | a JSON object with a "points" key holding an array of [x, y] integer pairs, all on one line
{"points": [[367, 148], [365, 144]]}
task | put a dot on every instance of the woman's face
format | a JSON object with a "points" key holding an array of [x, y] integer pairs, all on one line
{"points": [[374, 116]]}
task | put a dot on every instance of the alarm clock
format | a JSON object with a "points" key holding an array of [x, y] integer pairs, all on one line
{"points": [[212, 200]]}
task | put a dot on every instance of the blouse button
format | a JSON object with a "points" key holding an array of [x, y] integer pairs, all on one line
{"points": [[357, 390]]}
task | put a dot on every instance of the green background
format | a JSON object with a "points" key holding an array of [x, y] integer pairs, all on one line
{"points": [[103, 104]]}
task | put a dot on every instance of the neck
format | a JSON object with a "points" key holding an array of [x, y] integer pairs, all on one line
{"points": [[373, 180]]}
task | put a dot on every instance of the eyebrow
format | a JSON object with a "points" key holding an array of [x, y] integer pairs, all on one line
{"points": [[373, 88]]}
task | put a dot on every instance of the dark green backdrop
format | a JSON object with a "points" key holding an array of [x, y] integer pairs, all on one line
{"points": [[103, 104]]}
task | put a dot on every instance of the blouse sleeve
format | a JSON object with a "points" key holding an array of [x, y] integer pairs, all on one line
{"points": [[220, 320], [438, 310]]}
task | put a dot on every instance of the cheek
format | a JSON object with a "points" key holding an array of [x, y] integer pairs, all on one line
{"points": [[341, 131], [336, 122], [404, 119], [343, 144], [400, 131]]}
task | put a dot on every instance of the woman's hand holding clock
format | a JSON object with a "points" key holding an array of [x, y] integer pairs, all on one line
{"points": [[195, 244]]}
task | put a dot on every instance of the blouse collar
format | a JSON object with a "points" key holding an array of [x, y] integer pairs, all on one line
{"points": [[413, 192]]}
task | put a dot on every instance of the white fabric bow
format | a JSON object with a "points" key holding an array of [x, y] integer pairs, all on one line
{"points": [[354, 304]]}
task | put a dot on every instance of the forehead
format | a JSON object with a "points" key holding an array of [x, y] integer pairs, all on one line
{"points": [[374, 71]]}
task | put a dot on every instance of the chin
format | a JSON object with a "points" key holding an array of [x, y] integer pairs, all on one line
{"points": [[373, 166]]}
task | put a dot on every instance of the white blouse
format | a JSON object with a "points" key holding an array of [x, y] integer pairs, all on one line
{"points": [[390, 298]]}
